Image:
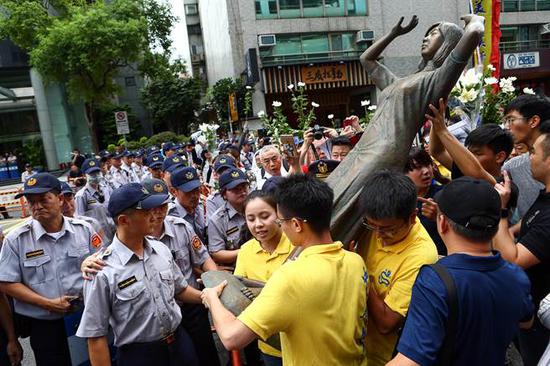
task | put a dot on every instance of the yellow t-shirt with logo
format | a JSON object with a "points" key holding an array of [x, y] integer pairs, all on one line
{"points": [[318, 304], [392, 271], [255, 263]]}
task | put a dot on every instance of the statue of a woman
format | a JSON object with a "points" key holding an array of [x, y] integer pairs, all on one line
{"points": [[446, 49]]}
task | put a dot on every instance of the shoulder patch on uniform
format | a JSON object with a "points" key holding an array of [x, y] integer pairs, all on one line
{"points": [[34, 254], [196, 242], [127, 282], [232, 230], [96, 240]]}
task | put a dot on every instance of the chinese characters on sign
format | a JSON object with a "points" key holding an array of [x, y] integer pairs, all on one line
{"points": [[324, 74]]}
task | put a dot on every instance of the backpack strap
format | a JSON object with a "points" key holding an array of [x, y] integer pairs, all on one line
{"points": [[451, 327]]}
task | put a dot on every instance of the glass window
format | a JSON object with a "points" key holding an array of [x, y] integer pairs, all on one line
{"points": [[335, 8], [543, 4], [266, 9], [315, 43], [313, 8], [288, 45], [289, 8], [357, 7], [348, 41], [527, 5], [336, 42]]}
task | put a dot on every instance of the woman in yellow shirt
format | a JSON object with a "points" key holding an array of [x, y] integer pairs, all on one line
{"points": [[259, 257]]}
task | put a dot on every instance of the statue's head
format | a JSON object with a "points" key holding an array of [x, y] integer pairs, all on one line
{"points": [[439, 41]]}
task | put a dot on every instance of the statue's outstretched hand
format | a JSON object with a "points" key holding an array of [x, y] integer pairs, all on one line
{"points": [[469, 17], [399, 30]]}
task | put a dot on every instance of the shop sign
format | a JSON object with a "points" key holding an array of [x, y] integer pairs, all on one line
{"points": [[522, 60], [324, 74]]}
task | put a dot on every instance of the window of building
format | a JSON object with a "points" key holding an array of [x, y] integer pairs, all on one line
{"points": [[273, 9], [194, 29], [525, 5], [191, 9], [523, 37], [130, 81]]}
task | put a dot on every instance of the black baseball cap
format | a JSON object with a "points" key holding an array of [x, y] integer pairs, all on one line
{"points": [[154, 161], [224, 161], [173, 162], [90, 165], [134, 195], [40, 183], [168, 146], [155, 186], [472, 203], [66, 188], [185, 179], [232, 178], [322, 168]]}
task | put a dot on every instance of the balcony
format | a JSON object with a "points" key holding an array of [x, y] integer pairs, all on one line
{"points": [[524, 45], [525, 5], [304, 58]]}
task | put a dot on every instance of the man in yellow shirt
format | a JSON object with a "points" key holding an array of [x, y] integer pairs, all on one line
{"points": [[318, 301], [395, 249]]}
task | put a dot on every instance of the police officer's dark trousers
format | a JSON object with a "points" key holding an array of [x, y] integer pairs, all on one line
{"points": [[174, 350], [49, 342], [196, 323]]}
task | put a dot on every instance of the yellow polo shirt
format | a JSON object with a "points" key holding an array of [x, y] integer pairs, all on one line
{"points": [[255, 263], [318, 304], [392, 271]]}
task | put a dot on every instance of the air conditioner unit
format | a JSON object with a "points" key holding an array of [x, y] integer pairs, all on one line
{"points": [[545, 29], [267, 40], [364, 36]]}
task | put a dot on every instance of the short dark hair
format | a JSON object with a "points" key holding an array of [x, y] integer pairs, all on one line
{"points": [[307, 198], [477, 236], [341, 141], [265, 196], [529, 106], [492, 136], [545, 145], [388, 195], [417, 158]]}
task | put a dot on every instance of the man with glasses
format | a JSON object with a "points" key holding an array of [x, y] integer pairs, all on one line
{"points": [[394, 251], [318, 301], [272, 163]]}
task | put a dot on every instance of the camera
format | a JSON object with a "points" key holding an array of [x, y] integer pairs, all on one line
{"points": [[318, 132]]}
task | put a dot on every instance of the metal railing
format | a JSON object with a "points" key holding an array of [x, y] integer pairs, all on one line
{"points": [[525, 5], [296, 58], [524, 45]]}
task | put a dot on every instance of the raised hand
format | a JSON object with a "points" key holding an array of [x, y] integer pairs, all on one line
{"points": [[399, 30]]}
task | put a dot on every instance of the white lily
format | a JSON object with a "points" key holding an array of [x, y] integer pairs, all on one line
{"points": [[470, 78], [330, 116], [290, 87], [468, 95], [276, 104], [491, 81], [528, 91], [490, 67], [315, 105], [372, 108], [248, 87], [365, 103], [261, 114], [301, 84]]}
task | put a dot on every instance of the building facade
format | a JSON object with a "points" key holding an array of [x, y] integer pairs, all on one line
{"points": [[525, 43], [274, 43]]}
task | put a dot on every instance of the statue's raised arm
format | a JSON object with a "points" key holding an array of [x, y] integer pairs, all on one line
{"points": [[402, 104]]}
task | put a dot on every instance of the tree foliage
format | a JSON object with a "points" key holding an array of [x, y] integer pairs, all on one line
{"points": [[219, 95]]}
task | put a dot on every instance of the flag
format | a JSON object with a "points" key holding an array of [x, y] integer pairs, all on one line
{"points": [[488, 52]]}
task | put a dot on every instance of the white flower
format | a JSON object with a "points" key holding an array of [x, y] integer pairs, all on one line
{"points": [[301, 84], [248, 87], [365, 103], [528, 91], [470, 78], [491, 81], [261, 114], [315, 105], [507, 85], [203, 127], [201, 139], [372, 108], [330, 116], [276, 104], [290, 87], [513, 78], [468, 95], [491, 68]]}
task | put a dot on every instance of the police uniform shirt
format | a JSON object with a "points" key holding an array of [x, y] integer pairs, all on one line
{"points": [[119, 177], [197, 221], [48, 264], [186, 247], [224, 229], [132, 177], [139, 171], [90, 220], [88, 203], [246, 159], [213, 203], [135, 296]]}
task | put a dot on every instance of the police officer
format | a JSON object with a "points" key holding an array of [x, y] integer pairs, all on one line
{"points": [[227, 227], [68, 210], [154, 167], [134, 293], [189, 253], [91, 200], [40, 264], [168, 149], [186, 189], [138, 166], [321, 169], [119, 176], [169, 165], [127, 161], [215, 200]]}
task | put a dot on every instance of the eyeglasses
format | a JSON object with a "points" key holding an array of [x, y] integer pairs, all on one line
{"points": [[279, 220], [509, 120], [391, 231]]}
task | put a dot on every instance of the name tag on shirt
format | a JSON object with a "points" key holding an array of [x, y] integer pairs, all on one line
{"points": [[34, 254], [232, 230], [127, 282], [91, 201]]}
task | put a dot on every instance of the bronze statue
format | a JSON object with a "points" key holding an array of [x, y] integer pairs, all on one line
{"points": [[402, 105]]}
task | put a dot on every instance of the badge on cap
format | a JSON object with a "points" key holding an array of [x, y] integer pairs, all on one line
{"points": [[155, 158], [31, 182], [196, 242], [322, 167], [235, 174], [223, 160], [176, 160], [91, 163], [158, 188], [189, 175]]}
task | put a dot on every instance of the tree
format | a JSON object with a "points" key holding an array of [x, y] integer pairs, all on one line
{"points": [[172, 99], [219, 95], [83, 43]]}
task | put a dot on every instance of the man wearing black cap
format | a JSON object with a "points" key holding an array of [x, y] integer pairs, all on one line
{"points": [[27, 173], [247, 156], [138, 167], [215, 200], [226, 227], [135, 292], [168, 149], [127, 161], [491, 296], [119, 176], [41, 268], [154, 167], [68, 210], [169, 165]]}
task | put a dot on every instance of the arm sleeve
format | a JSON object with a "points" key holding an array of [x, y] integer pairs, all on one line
{"points": [[80, 205], [446, 76], [196, 247], [424, 329], [274, 309], [544, 311], [216, 240], [97, 308], [381, 76], [180, 283], [537, 238], [9, 262]]}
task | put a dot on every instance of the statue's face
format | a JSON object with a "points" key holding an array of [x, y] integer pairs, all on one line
{"points": [[431, 43]]}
